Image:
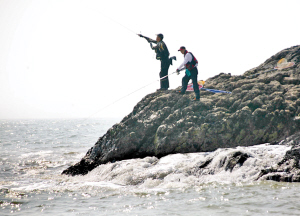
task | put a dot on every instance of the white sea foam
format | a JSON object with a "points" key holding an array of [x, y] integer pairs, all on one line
{"points": [[176, 171], [182, 170]]}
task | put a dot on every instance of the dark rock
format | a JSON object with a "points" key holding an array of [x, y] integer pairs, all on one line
{"points": [[238, 158], [288, 169], [205, 164], [262, 108]]}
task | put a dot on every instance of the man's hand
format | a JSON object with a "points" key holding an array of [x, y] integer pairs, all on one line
{"points": [[178, 72], [147, 39]]}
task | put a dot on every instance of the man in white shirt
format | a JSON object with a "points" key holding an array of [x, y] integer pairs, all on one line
{"points": [[191, 72]]}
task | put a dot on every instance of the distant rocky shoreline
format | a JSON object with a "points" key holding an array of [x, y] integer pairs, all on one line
{"points": [[263, 108]]}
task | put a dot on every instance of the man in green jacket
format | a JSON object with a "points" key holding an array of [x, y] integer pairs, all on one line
{"points": [[162, 54]]}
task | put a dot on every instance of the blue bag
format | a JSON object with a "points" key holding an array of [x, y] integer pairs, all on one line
{"points": [[187, 72]]}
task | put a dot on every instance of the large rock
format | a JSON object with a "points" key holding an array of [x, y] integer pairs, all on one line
{"points": [[263, 107]]}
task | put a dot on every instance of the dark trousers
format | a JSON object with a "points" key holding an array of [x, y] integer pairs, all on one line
{"points": [[164, 68], [194, 77]]}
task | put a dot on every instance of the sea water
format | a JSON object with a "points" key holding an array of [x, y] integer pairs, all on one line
{"points": [[35, 152]]}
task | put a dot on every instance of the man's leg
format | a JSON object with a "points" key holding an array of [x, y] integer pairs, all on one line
{"points": [[194, 76], [164, 83], [185, 81]]}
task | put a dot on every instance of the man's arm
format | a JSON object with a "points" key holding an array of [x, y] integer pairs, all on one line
{"points": [[148, 39], [188, 58]]}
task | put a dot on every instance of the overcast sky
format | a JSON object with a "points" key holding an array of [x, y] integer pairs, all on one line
{"points": [[71, 58]]}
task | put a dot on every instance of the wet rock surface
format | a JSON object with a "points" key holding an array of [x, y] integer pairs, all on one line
{"points": [[263, 108], [288, 169]]}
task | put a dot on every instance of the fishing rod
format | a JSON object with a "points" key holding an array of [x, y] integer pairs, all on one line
{"points": [[149, 40], [108, 17], [120, 24]]}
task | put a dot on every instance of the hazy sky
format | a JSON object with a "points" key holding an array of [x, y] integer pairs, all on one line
{"points": [[72, 58]]}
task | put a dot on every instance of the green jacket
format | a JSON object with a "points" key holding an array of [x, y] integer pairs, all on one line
{"points": [[161, 50]]}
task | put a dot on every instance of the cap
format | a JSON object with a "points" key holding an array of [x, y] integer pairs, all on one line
{"points": [[181, 48], [160, 35]]}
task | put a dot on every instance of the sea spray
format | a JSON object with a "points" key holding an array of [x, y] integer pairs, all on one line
{"points": [[183, 170]]}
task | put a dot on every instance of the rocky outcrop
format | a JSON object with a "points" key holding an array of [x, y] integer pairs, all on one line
{"points": [[263, 107], [287, 170]]}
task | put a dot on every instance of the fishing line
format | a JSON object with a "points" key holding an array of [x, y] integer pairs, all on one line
{"points": [[100, 12], [120, 24], [129, 94]]}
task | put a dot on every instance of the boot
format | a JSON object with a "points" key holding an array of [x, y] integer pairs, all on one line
{"points": [[180, 92]]}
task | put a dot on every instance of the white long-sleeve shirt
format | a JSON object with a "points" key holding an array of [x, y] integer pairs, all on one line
{"points": [[188, 58]]}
